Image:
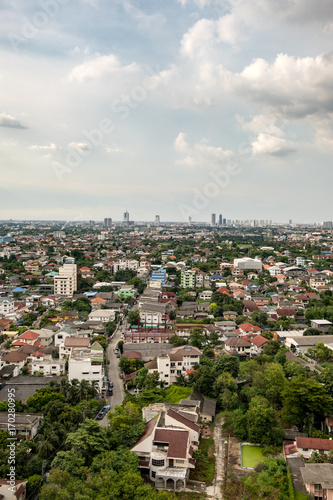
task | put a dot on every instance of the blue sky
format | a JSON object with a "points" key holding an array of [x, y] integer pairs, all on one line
{"points": [[178, 108]]}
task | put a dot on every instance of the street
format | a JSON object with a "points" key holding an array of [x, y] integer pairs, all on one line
{"points": [[113, 374]]}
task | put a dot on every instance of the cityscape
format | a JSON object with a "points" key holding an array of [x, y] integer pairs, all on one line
{"points": [[166, 250]]}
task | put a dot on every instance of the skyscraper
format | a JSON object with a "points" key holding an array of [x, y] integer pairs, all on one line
{"points": [[157, 220], [220, 220], [126, 217], [107, 222], [213, 220]]}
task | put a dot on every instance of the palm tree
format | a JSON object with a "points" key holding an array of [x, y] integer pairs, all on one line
{"points": [[84, 389], [64, 388], [94, 388]]}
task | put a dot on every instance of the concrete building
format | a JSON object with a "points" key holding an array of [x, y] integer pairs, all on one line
{"points": [[177, 362], [159, 275], [87, 364], [6, 306], [66, 281], [248, 264], [157, 220], [213, 219], [187, 279], [26, 425], [102, 315]]}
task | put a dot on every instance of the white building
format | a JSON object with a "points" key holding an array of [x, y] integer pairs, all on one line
{"points": [[121, 265], [177, 362], [87, 364], [166, 448], [248, 264], [70, 343], [66, 281], [300, 261], [102, 315], [6, 305]]}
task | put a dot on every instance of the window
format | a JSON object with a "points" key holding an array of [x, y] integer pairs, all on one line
{"points": [[172, 371], [85, 373], [179, 461], [157, 463], [153, 474]]}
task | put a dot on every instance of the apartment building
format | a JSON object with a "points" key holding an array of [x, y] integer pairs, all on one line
{"points": [[6, 305], [177, 362], [187, 279], [87, 364], [66, 282]]}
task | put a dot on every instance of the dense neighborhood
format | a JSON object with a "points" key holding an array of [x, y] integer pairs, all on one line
{"points": [[164, 361]]}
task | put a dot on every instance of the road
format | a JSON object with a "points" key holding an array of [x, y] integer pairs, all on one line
{"points": [[113, 374]]}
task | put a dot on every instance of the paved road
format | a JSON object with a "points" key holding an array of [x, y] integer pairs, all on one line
{"points": [[215, 491], [113, 374]]}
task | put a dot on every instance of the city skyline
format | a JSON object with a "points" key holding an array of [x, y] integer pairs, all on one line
{"points": [[173, 108]]}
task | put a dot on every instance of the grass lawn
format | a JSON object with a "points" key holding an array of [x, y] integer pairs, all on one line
{"points": [[205, 462], [175, 393], [251, 456]]}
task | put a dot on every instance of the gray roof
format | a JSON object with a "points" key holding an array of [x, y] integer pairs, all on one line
{"points": [[312, 339], [318, 474]]}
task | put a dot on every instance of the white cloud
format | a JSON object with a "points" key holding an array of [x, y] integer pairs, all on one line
{"points": [[114, 149], [180, 143], [271, 145], [194, 41], [79, 146], [200, 152], [51, 147], [10, 121], [100, 67]]}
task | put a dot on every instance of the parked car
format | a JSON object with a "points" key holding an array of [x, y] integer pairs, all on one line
{"points": [[100, 415], [111, 384], [106, 408], [118, 355]]}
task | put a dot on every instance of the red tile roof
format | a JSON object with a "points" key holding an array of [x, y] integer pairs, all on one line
{"points": [[314, 443], [29, 335], [177, 439]]}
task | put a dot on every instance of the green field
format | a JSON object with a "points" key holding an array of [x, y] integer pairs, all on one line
{"points": [[251, 455]]}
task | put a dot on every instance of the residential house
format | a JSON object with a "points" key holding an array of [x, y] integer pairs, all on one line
{"points": [[318, 480], [246, 328], [307, 446], [86, 363], [15, 491], [322, 325], [177, 362], [70, 343], [237, 346], [166, 449], [26, 425], [102, 315], [6, 305], [153, 314]]}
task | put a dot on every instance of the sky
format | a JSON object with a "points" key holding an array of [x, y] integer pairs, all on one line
{"points": [[180, 108]]}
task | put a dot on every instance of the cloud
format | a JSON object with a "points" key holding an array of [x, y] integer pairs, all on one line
{"points": [[10, 122], [271, 145], [51, 147], [79, 146], [114, 149], [200, 35], [200, 152], [100, 67], [180, 143]]}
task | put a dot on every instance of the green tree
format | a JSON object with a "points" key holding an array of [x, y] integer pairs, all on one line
{"points": [[303, 396], [125, 425], [262, 423], [133, 317], [88, 441]]}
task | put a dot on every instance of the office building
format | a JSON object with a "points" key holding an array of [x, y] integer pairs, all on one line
{"points": [[213, 220], [107, 222], [157, 220], [327, 224], [126, 217], [224, 222], [220, 220], [66, 281], [159, 275]]}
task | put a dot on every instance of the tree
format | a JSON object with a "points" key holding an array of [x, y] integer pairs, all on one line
{"points": [[101, 340], [88, 441], [274, 382], [312, 331], [177, 341], [262, 423], [110, 327], [133, 317], [226, 363], [196, 338], [303, 396], [125, 425]]}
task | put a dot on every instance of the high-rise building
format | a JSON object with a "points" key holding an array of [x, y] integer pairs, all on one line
{"points": [[126, 217], [189, 221], [157, 220], [213, 220], [224, 222], [107, 222], [66, 281], [290, 221], [220, 220], [327, 224]]}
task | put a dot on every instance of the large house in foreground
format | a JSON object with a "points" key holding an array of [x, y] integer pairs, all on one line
{"points": [[166, 449]]}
